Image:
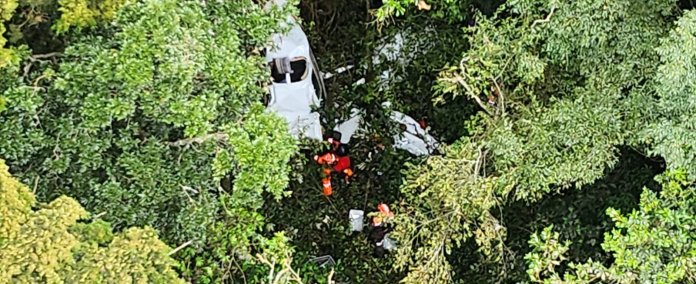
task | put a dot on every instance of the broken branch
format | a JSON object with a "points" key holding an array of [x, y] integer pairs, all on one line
{"points": [[473, 95]]}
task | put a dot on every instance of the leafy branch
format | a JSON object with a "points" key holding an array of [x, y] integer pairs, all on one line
{"points": [[218, 137]]}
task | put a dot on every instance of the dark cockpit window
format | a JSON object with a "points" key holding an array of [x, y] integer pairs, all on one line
{"points": [[298, 66]]}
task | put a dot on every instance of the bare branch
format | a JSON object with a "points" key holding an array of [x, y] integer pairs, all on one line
{"points": [[26, 69], [185, 189], [36, 184], [99, 215], [330, 280], [501, 95], [468, 88], [181, 247], [473, 95], [36, 57], [479, 161], [184, 142], [548, 18]]}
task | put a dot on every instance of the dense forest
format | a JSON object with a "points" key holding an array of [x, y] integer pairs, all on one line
{"points": [[136, 146]]}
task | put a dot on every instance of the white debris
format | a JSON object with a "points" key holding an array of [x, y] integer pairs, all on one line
{"points": [[356, 219]]}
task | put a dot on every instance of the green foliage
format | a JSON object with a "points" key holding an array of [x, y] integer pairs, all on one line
{"points": [[672, 131], [52, 245], [150, 116], [571, 142], [558, 73], [33, 22], [546, 259], [560, 131], [129, 118], [258, 157], [654, 244], [446, 201], [85, 13], [263, 150], [7, 8], [452, 10], [276, 256], [578, 215]]}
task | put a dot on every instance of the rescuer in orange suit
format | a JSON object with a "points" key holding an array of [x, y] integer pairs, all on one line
{"points": [[380, 227], [336, 159]]}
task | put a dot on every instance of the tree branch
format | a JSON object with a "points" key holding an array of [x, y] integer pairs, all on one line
{"points": [[466, 86], [99, 215], [330, 278], [185, 142], [181, 247], [501, 95], [548, 18], [36, 57]]}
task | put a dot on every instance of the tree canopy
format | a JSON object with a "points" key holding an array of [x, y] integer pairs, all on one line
{"points": [[567, 134], [54, 244]]}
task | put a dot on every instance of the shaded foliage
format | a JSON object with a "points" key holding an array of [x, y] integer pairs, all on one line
{"points": [[652, 244]]}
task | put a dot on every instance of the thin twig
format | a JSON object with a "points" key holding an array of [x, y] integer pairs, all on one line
{"points": [[36, 184], [181, 247], [459, 80], [297, 277], [185, 190], [477, 167], [234, 259], [548, 18], [468, 88], [500, 95]]}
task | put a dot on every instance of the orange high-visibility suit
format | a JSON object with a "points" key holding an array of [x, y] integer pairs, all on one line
{"points": [[335, 159], [326, 160]]}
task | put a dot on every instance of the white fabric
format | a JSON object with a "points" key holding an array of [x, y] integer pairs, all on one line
{"points": [[389, 244]]}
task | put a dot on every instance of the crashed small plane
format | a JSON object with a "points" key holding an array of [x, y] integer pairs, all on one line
{"points": [[296, 81]]}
